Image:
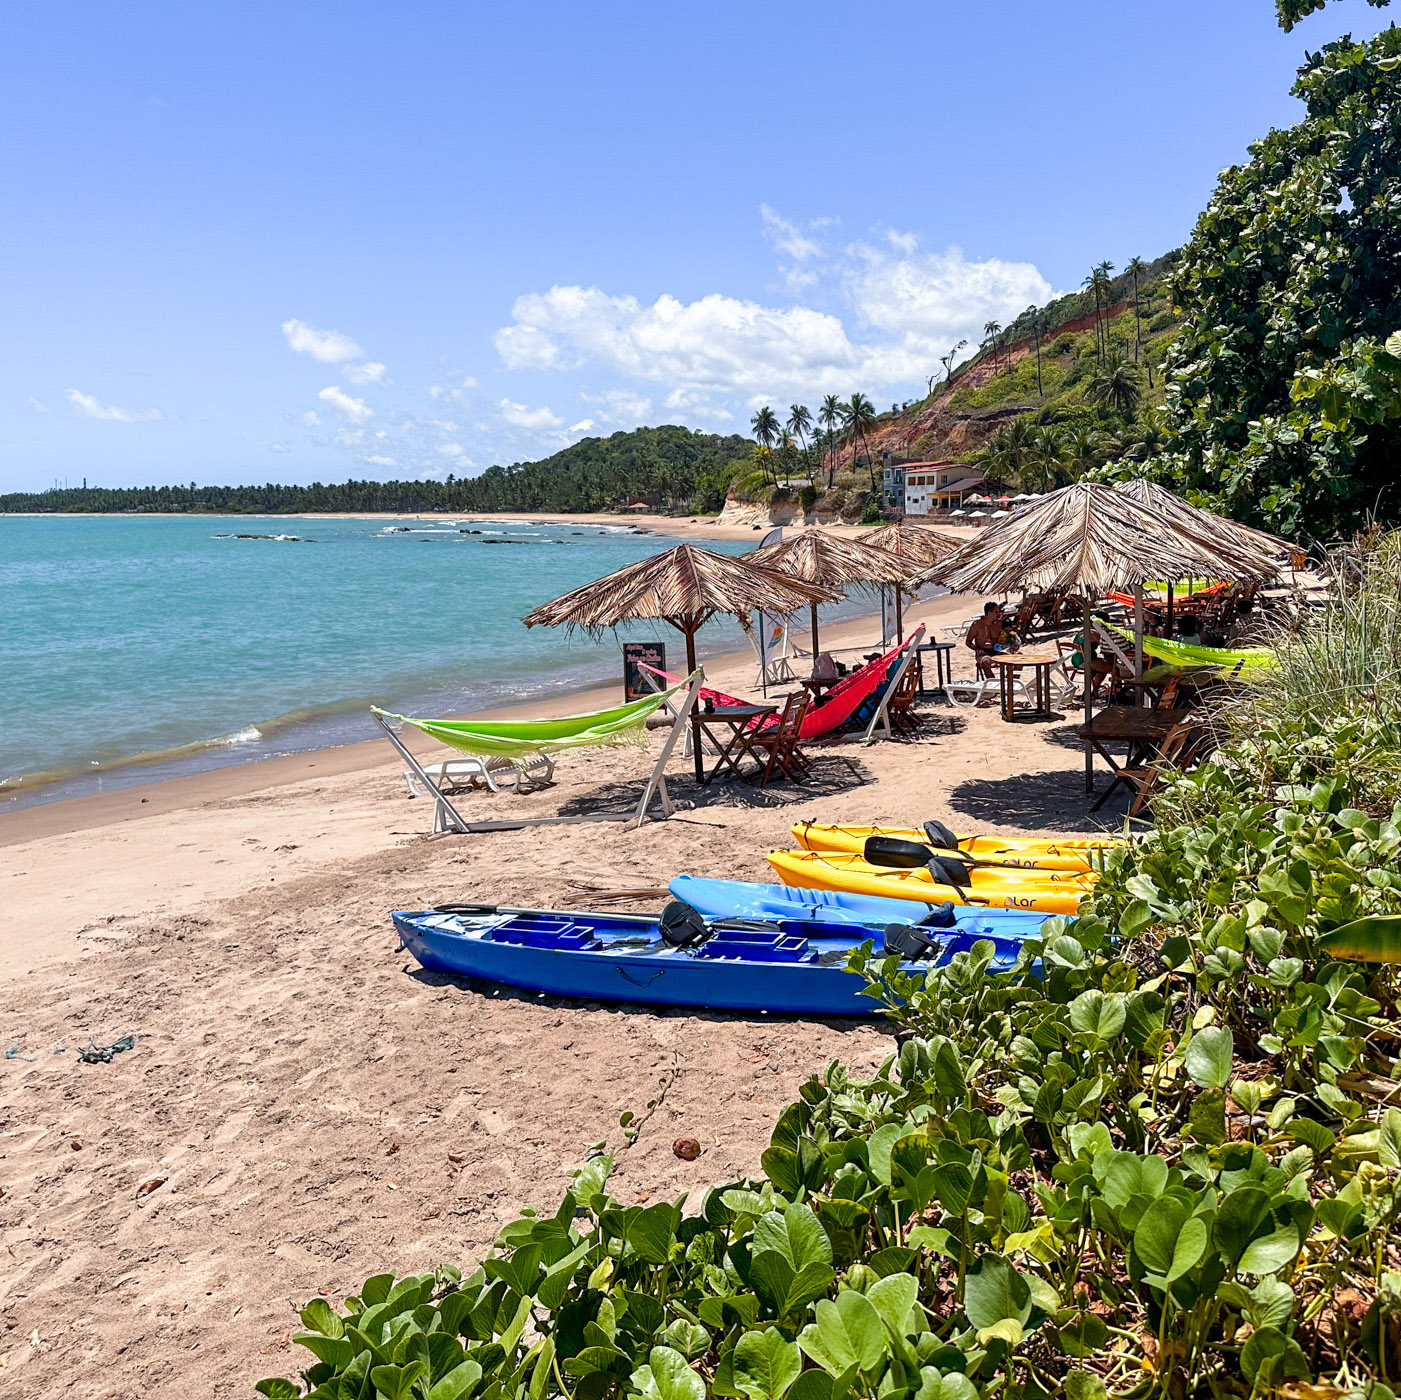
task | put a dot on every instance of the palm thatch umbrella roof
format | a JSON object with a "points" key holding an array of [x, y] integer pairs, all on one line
{"points": [[1174, 508], [1094, 538], [685, 586], [914, 542], [818, 557]]}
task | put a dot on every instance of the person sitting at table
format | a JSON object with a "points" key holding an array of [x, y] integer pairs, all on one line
{"points": [[1189, 632], [989, 635]]}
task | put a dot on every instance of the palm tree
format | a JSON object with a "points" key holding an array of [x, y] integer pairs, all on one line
{"points": [[766, 428], [1135, 269], [786, 450], [990, 331], [857, 417], [1118, 382], [1084, 447], [1012, 447], [800, 424], [1046, 455], [830, 416], [1033, 315], [947, 362], [1098, 283]]}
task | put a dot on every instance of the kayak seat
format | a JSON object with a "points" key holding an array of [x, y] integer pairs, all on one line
{"points": [[681, 926], [950, 872], [940, 917], [910, 943], [940, 835]]}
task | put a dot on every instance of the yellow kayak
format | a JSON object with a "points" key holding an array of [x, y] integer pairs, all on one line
{"points": [[1020, 852], [1048, 891]]}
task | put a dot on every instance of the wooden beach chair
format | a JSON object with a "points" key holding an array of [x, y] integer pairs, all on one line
{"points": [[781, 743]]}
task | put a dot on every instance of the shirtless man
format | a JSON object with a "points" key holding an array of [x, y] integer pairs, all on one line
{"points": [[986, 634]]}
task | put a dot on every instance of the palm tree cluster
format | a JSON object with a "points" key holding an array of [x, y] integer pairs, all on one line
{"points": [[1039, 452], [792, 447]]}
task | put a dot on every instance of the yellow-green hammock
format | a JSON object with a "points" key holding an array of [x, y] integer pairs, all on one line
{"points": [[1250, 660], [523, 738]]}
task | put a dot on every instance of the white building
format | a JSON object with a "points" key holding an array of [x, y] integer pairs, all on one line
{"points": [[934, 486]]}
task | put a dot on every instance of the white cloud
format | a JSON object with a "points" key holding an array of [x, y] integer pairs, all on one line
{"points": [[787, 237], [452, 391], [452, 449], [378, 461], [717, 342], [34, 406], [624, 407], [905, 307], [310, 419], [519, 416], [918, 304], [330, 347], [582, 426], [357, 410], [89, 407], [371, 372], [278, 447]]}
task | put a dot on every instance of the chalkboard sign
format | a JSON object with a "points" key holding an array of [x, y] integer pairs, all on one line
{"points": [[637, 683]]}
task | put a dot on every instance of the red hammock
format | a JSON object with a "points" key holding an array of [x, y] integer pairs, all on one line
{"points": [[831, 712]]}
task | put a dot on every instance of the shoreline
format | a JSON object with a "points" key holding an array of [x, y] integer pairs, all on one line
{"points": [[161, 796], [194, 762]]}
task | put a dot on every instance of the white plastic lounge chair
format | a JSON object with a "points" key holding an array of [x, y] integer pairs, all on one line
{"points": [[971, 691], [456, 775]]}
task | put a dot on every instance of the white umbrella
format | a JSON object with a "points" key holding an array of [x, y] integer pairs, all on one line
{"points": [[958, 512], [973, 513], [996, 513]]}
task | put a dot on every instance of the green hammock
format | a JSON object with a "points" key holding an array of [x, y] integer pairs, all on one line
{"points": [[1251, 660], [520, 738]]}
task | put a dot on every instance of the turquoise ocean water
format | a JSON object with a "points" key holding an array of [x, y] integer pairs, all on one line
{"points": [[139, 648]]}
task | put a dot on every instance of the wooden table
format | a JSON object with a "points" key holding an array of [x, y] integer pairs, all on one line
{"points": [[943, 668], [1142, 731], [1007, 664], [737, 719], [816, 685]]}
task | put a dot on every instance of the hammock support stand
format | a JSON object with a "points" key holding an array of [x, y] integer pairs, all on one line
{"points": [[447, 818]]}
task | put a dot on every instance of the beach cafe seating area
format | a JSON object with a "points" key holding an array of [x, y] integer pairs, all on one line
{"points": [[1088, 636]]}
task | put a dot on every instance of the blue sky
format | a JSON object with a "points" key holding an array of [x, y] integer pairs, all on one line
{"points": [[265, 242]]}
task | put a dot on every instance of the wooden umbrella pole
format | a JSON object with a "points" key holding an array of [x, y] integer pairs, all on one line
{"points": [[1087, 655], [899, 614], [688, 630], [814, 636], [1171, 629], [1138, 638]]}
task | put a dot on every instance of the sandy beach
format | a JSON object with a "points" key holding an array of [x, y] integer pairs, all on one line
{"points": [[303, 1105]]}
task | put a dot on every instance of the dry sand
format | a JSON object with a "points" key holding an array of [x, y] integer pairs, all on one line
{"points": [[311, 1105]]}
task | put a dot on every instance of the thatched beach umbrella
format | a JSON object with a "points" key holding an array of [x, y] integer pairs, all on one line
{"points": [[1094, 539], [922, 547], [815, 557], [1174, 509], [685, 587]]}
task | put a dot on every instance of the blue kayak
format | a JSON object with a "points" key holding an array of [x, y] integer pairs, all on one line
{"points": [[736, 899], [680, 959]]}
